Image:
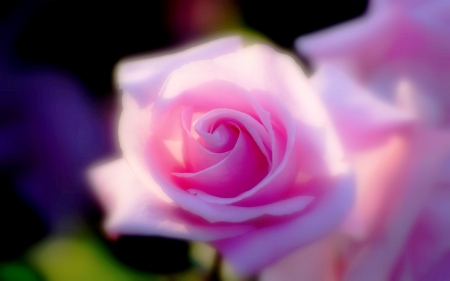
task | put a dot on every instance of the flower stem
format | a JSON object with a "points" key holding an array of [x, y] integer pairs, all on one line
{"points": [[214, 274]]}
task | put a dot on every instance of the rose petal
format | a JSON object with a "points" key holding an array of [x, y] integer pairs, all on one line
{"points": [[250, 252], [216, 212], [241, 170], [361, 118], [409, 185], [352, 39], [196, 156], [257, 131], [133, 209], [428, 246], [133, 136], [143, 77], [254, 68], [394, 41], [314, 262]]}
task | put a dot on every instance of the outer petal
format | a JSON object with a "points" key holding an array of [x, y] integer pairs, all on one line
{"points": [[360, 117], [143, 77], [389, 31], [394, 41], [427, 252], [404, 192], [250, 252], [364, 39], [132, 209], [314, 262], [255, 68], [398, 235]]}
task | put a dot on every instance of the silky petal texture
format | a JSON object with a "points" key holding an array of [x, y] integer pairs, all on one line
{"points": [[132, 209], [240, 251], [399, 52], [255, 68], [241, 170], [427, 252], [392, 31], [404, 191], [353, 39], [197, 156], [345, 99], [426, 255], [314, 262], [143, 77], [396, 40], [133, 138], [240, 120]]}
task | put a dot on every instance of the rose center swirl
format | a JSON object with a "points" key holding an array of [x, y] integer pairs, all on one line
{"points": [[226, 152]]}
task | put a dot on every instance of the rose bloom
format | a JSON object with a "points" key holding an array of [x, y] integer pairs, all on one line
{"points": [[387, 67], [227, 145]]}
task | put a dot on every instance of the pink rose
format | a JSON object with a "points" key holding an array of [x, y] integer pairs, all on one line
{"points": [[399, 225], [227, 145], [397, 42], [384, 80]]}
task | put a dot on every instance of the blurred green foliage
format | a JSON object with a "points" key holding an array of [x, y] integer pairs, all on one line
{"points": [[78, 257], [18, 271]]}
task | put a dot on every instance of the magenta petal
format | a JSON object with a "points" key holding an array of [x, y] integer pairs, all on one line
{"points": [[240, 171], [198, 157], [133, 209], [222, 138], [242, 120], [250, 252], [217, 212]]}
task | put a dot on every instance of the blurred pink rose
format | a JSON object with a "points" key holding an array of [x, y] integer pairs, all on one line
{"points": [[399, 225], [228, 145], [391, 65], [397, 41]]}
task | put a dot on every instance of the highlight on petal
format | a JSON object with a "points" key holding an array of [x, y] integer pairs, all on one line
{"points": [[143, 77]]}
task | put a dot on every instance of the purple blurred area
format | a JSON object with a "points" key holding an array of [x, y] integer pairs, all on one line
{"points": [[50, 130], [57, 103]]}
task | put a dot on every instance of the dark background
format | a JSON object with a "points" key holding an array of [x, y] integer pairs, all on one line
{"points": [[87, 37], [57, 101]]}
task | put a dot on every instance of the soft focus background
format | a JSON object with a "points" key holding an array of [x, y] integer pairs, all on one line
{"points": [[57, 117]]}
